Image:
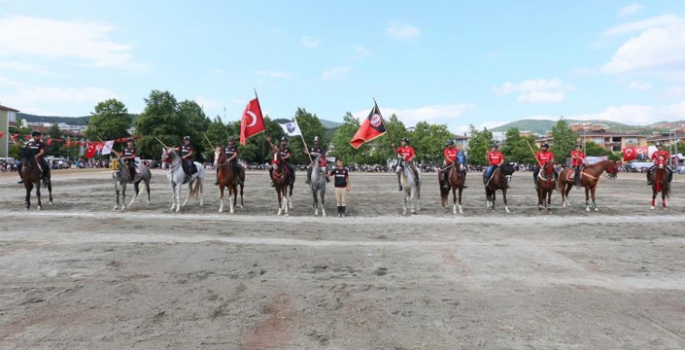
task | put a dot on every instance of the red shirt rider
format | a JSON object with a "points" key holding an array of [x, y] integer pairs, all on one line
{"points": [[406, 151], [451, 155], [577, 156], [661, 156], [544, 156], [495, 157]]}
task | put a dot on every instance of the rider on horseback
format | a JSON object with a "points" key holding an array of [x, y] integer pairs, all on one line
{"points": [[285, 155], [453, 157], [577, 160], [187, 155], [495, 158], [543, 156], [231, 152], [408, 154], [37, 148], [128, 156], [322, 160], [660, 154]]}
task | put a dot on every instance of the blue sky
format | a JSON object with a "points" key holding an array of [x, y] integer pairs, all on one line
{"points": [[454, 62]]}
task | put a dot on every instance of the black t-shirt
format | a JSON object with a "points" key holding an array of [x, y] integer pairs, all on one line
{"points": [[285, 151], [129, 152], [340, 176], [230, 151], [319, 150], [35, 146], [185, 150]]}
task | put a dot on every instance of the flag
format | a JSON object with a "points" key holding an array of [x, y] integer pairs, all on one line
{"points": [[49, 142], [291, 128], [2, 134], [83, 143], [632, 153], [68, 144], [252, 122], [107, 147], [90, 150], [98, 148], [372, 127]]}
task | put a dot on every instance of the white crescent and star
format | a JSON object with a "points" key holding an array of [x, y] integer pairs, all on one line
{"points": [[254, 119]]}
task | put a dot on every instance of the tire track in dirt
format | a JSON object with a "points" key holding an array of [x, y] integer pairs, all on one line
{"points": [[278, 329]]}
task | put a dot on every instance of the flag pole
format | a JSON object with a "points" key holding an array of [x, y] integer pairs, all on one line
{"points": [[303, 142], [532, 151]]}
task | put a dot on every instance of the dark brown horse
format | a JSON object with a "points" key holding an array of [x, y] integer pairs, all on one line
{"points": [[545, 186], [456, 178], [589, 179], [660, 184], [33, 175], [498, 181], [228, 179], [281, 176]]}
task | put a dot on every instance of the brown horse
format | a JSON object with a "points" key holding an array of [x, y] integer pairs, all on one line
{"points": [[228, 179], [660, 184], [589, 179], [456, 178], [545, 186], [281, 176], [498, 181], [33, 175]]}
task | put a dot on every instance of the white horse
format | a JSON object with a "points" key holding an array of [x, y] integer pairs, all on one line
{"points": [[121, 177], [411, 186], [318, 185], [176, 176]]}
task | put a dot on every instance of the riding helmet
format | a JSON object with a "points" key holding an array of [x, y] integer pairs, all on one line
{"points": [[284, 139], [659, 144], [545, 145], [35, 133], [129, 139], [450, 142], [316, 139], [405, 139], [186, 138], [231, 139], [495, 146]]}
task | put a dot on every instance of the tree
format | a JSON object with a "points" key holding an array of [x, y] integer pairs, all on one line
{"points": [[564, 140], [517, 148], [479, 145], [342, 137], [429, 140], [196, 123], [383, 145], [594, 150], [311, 126], [159, 120], [109, 121]]}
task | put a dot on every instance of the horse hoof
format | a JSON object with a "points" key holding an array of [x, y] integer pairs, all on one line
{"points": [[50, 202], [596, 209], [652, 207], [116, 207], [587, 208], [461, 211], [323, 215], [507, 210], [231, 212], [38, 207]]}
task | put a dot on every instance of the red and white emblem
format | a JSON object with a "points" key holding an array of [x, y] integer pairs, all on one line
{"points": [[376, 120]]}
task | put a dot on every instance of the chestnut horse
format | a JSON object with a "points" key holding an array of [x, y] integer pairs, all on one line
{"points": [[33, 175], [545, 186], [660, 184], [498, 181], [281, 176], [589, 179], [228, 179], [456, 178]]}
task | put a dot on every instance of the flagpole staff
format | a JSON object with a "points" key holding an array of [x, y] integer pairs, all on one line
{"points": [[160, 141], [532, 151], [303, 142]]}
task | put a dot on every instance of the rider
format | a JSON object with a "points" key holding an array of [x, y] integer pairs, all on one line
{"points": [[129, 157], [577, 160], [322, 160], [408, 154], [187, 155], [285, 155], [660, 154], [231, 152], [453, 157], [37, 148], [543, 156], [495, 158]]}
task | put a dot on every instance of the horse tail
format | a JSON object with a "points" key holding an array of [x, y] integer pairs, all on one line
{"points": [[196, 189]]}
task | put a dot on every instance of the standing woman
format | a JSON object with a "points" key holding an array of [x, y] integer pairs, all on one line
{"points": [[342, 185]]}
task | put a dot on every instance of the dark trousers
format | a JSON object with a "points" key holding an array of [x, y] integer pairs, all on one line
{"points": [[132, 169], [651, 171]]}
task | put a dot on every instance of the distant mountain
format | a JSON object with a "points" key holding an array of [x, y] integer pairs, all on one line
{"points": [[330, 124], [542, 126]]}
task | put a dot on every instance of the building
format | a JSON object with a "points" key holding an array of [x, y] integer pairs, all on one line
{"points": [[7, 116], [610, 141], [674, 140], [462, 142]]}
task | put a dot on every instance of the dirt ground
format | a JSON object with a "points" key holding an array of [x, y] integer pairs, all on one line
{"points": [[77, 275]]}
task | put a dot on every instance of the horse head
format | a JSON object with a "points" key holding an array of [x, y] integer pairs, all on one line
{"points": [[168, 155], [400, 164], [277, 156], [219, 156], [548, 169]]}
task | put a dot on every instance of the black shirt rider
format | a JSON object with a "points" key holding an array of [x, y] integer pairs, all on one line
{"points": [[35, 146], [185, 149], [340, 176], [229, 151], [285, 151]]}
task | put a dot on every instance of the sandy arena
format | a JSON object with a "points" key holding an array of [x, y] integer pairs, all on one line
{"points": [[77, 275]]}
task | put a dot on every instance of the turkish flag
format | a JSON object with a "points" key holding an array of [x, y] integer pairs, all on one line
{"points": [[90, 151], [2, 134], [252, 122], [83, 143], [49, 142], [629, 153], [27, 137], [372, 127], [67, 144]]}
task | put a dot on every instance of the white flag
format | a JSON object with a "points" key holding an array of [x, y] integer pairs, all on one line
{"points": [[107, 149], [291, 128]]}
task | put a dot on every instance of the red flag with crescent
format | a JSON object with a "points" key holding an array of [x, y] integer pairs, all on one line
{"points": [[90, 151], [252, 122], [372, 127], [629, 153], [67, 144]]}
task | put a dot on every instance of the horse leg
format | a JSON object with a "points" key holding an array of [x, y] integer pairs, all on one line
{"points": [[178, 189], [540, 198], [587, 199], [404, 211], [232, 188], [116, 189], [39, 206], [663, 199], [190, 190], [29, 187], [315, 203], [567, 191], [504, 198], [242, 205], [412, 200], [289, 197], [135, 193], [280, 204], [549, 200], [50, 191], [147, 187], [654, 193], [173, 196], [461, 189], [494, 198], [322, 193], [454, 200], [221, 197], [286, 200], [594, 203], [202, 185]]}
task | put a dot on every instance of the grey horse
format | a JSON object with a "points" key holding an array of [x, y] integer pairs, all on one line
{"points": [[121, 178], [411, 186], [318, 185]]}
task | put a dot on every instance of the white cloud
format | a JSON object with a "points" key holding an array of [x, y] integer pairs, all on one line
{"points": [[336, 73], [271, 74], [208, 103], [631, 114], [87, 42], [32, 95], [443, 114], [219, 71], [630, 10], [639, 85], [361, 53], [398, 30], [25, 66], [536, 90], [638, 26], [466, 128], [659, 47], [8, 82], [308, 41]]}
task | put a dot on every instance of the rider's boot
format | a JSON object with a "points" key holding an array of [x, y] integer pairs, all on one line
{"points": [[343, 211], [21, 181]]}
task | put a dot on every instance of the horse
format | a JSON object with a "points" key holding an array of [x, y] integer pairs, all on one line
{"points": [[176, 176], [456, 179], [33, 175], [500, 177], [411, 186], [660, 184], [317, 184], [228, 179], [281, 177], [120, 174], [545, 186], [589, 179]]}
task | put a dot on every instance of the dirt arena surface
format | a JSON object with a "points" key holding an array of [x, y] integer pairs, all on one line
{"points": [[77, 275]]}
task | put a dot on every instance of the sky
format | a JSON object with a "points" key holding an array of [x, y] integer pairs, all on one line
{"points": [[483, 63]]}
